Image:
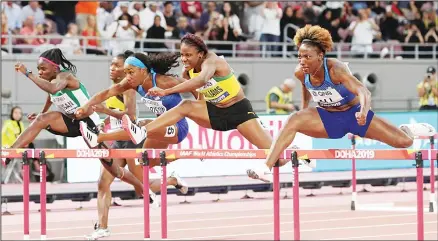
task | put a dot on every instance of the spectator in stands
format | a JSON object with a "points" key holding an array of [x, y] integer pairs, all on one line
{"points": [[71, 44], [85, 9], [61, 12], [183, 27], [125, 33], [233, 20], [413, 35], [136, 23], [13, 14], [191, 9], [431, 37], [169, 16], [40, 31], [121, 8], [363, 31], [148, 14], [270, 32], [253, 18], [33, 9], [205, 16], [286, 19], [104, 17], [428, 90], [5, 31], [28, 29], [279, 98], [389, 26], [90, 30], [156, 32]]}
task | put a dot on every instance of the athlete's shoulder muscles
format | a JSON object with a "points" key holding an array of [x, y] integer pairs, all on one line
{"points": [[340, 73], [208, 68], [66, 80]]}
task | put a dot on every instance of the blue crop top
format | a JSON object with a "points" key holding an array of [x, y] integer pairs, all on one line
{"points": [[158, 105], [328, 94]]}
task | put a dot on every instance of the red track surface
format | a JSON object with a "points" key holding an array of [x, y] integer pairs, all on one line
{"points": [[324, 216]]}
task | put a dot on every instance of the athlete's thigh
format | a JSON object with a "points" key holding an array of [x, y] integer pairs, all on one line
{"points": [[167, 134], [254, 132], [55, 121], [307, 122], [383, 131], [199, 113]]}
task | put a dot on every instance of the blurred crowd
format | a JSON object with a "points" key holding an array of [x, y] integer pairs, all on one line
{"points": [[360, 23]]}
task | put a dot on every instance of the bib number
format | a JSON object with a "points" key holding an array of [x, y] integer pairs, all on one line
{"points": [[65, 103], [170, 131], [328, 97], [155, 106]]}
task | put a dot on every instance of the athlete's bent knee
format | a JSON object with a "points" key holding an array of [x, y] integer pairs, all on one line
{"points": [[42, 120], [103, 185], [404, 142]]}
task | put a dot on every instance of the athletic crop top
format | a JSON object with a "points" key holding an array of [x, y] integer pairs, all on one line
{"points": [[328, 94], [218, 89], [158, 105]]}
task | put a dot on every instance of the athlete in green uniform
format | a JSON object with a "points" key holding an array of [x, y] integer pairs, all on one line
{"points": [[56, 76]]}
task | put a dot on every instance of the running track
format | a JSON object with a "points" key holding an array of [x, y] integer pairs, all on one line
{"points": [[385, 213]]}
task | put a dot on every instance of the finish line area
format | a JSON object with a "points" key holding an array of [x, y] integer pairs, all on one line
{"points": [[263, 216]]}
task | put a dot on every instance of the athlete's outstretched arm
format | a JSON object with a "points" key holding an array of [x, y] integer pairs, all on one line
{"points": [[100, 97], [130, 106], [207, 72], [61, 82]]}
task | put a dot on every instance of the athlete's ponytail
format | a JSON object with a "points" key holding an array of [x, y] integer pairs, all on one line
{"points": [[125, 54], [55, 56], [159, 63]]}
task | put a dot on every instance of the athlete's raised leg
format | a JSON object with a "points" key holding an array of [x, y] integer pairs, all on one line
{"points": [[195, 110], [52, 119], [382, 130], [305, 121]]}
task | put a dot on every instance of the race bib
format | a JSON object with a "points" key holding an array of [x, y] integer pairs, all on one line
{"points": [[327, 98], [65, 103], [155, 106]]}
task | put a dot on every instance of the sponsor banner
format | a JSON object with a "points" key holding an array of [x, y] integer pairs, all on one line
{"points": [[88, 170]]}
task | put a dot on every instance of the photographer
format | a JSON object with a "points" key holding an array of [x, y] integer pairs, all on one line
{"points": [[428, 90]]}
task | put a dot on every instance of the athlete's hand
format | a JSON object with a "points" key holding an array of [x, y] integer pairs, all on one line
{"points": [[361, 118], [98, 108], [20, 67], [155, 91], [32, 116], [81, 112]]}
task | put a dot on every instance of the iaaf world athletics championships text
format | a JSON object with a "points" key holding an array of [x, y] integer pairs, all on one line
{"points": [[248, 154]]}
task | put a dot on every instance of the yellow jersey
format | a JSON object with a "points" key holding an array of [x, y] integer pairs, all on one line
{"points": [[429, 98], [218, 89], [283, 98], [10, 132]]}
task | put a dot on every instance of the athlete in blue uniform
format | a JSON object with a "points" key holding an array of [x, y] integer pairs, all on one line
{"points": [[344, 103], [143, 72]]}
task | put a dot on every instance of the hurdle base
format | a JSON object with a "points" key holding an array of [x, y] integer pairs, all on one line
{"points": [[246, 196], [353, 206], [26, 237], [6, 213], [114, 204], [43, 237], [185, 202], [432, 207]]}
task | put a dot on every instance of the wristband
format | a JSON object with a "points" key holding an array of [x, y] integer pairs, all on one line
{"points": [[28, 72]]}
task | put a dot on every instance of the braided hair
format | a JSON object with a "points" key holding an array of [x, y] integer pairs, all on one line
{"points": [[195, 41], [56, 56], [159, 63]]}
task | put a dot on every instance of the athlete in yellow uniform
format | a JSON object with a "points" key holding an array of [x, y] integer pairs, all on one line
{"points": [[221, 103]]}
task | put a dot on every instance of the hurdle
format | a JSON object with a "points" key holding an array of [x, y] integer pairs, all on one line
{"points": [[432, 195], [166, 154]]}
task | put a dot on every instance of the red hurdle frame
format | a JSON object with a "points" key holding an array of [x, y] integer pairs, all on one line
{"points": [[231, 154], [432, 198]]}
